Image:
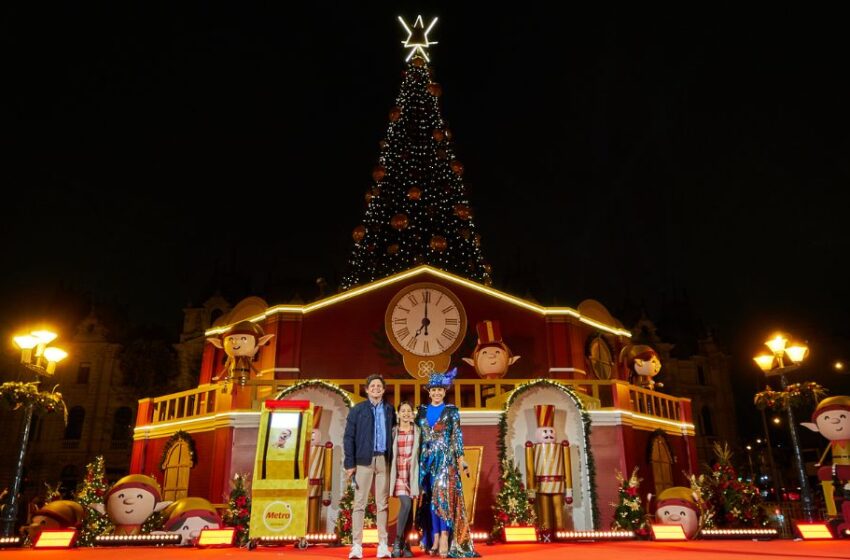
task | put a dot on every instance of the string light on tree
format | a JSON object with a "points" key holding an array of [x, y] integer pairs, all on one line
{"points": [[417, 211]]}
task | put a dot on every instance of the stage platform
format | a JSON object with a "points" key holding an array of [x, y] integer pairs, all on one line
{"points": [[701, 550]]}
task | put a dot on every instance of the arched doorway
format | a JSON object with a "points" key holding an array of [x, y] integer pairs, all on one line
{"points": [[661, 459], [179, 460]]}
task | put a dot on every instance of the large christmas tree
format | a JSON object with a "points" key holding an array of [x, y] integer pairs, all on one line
{"points": [[417, 211]]}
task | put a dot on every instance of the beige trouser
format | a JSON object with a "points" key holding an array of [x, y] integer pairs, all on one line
{"points": [[365, 475]]}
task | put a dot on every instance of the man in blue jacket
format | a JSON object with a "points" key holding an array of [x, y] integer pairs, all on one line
{"points": [[368, 453]]}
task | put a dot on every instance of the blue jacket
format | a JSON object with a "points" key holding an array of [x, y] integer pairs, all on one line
{"points": [[358, 443]]}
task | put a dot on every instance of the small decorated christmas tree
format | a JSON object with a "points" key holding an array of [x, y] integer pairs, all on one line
{"points": [[92, 490], [346, 507], [734, 502], [512, 504], [238, 512], [628, 512]]}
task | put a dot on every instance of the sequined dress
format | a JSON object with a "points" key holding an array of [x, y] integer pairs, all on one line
{"points": [[439, 479]]}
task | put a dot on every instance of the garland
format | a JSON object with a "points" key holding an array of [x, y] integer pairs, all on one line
{"points": [[316, 383], [176, 438], [794, 395], [585, 418], [17, 394]]}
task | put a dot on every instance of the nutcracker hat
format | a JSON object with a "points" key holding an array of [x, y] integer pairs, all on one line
{"points": [[838, 402], [177, 513], [66, 512], [490, 334], [317, 416], [545, 415], [678, 496], [136, 481], [245, 327], [443, 380]]}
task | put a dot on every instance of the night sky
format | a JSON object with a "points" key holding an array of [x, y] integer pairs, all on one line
{"points": [[692, 160]]}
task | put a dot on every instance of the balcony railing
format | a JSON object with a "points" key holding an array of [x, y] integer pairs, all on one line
{"points": [[469, 394]]}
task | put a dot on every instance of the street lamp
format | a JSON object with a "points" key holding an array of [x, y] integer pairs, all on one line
{"points": [[37, 357], [775, 364]]}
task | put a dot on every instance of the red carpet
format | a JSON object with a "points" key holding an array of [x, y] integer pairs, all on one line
{"points": [[696, 550]]}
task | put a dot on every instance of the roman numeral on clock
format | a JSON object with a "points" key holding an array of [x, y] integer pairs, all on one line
{"points": [[452, 321], [448, 333], [412, 299], [447, 309], [411, 344], [403, 333]]}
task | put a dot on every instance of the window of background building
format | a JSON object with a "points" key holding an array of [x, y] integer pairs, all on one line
{"points": [[707, 421], [69, 479], [76, 417], [701, 374], [83, 373]]}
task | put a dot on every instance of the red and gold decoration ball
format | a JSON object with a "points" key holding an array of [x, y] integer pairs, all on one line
{"points": [[487, 268], [395, 114], [438, 243], [399, 221], [462, 211], [383, 144], [419, 62], [435, 89], [438, 135], [414, 193], [359, 233], [457, 167], [465, 233], [378, 173], [477, 240], [392, 248], [441, 153], [372, 193]]}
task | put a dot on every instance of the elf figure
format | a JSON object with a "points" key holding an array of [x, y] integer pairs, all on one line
{"points": [[241, 343], [831, 419], [677, 506], [321, 471], [642, 363], [548, 471], [58, 514], [491, 357], [130, 502], [187, 517]]}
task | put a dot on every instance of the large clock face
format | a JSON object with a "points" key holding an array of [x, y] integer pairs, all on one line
{"points": [[425, 319]]}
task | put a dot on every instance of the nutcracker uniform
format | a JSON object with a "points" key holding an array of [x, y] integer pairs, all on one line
{"points": [[549, 472]]}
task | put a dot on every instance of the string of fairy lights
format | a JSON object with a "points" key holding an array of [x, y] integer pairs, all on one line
{"points": [[417, 210]]}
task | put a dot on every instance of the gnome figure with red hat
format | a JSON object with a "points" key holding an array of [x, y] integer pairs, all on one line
{"points": [[187, 517], [491, 357], [241, 343], [548, 472], [320, 473], [130, 502], [677, 506], [831, 419]]}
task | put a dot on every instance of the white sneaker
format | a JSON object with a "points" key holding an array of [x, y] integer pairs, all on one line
{"points": [[383, 551], [356, 552]]}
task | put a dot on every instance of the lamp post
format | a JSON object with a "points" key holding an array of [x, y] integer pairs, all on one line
{"points": [[36, 356], [775, 364]]}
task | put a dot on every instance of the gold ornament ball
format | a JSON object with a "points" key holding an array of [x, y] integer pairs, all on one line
{"points": [[438, 135], [414, 193], [435, 89], [438, 243], [368, 196], [392, 248], [399, 221], [462, 211], [487, 268], [359, 233], [378, 173], [457, 167], [395, 114]]}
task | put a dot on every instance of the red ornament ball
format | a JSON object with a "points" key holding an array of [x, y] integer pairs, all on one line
{"points": [[462, 211], [395, 114], [435, 89], [441, 153], [359, 233], [418, 61], [383, 144], [465, 233], [438, 243], [457, 167], [378, 173], [438, 135], [368, 196], [414, 193], [399, 221], [392, 248]]}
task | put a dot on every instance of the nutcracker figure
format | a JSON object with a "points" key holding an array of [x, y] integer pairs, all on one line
{"points": [[321, 471], [831, 419], [548, 472]]}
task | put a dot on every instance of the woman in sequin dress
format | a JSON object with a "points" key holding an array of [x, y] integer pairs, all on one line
{"points": [[442, 515]]}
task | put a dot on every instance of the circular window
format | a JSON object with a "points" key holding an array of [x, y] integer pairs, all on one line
{"points": [[600, 358]]}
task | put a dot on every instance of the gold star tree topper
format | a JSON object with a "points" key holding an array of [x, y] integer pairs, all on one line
{"points": [[417, 37]]}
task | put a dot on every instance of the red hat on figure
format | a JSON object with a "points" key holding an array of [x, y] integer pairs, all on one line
{"points": [[545, 415], [490, 334]]}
